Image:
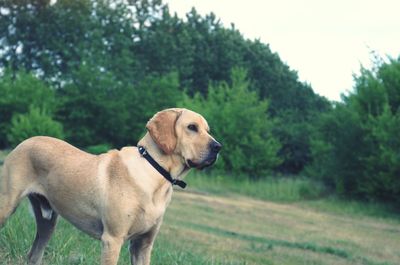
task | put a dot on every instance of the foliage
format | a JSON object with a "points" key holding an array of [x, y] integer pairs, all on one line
{"points": [[97, 107], [294, 134], [382, 163], [152, 94], [134, 41], [19, 92], [93, 107], [98, 149], [240, 120], [202, 50], [34, 123], [357, 148], [338, 136], [52, 40]]}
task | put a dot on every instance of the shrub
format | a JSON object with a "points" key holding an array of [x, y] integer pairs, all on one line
{"points": [[35, 122], [98, 149], [19, 92]]}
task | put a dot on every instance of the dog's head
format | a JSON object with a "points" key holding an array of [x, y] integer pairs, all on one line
{"points": [[185, 133]]}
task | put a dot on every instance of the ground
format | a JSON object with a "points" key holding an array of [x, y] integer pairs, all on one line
{"points": [[207, 229], [203, 228]]}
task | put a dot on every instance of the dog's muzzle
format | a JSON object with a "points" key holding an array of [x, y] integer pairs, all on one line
{"points": [[212, 156]]}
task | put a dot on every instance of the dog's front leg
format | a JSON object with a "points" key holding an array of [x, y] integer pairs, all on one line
{"points": [[140, 248], [111, 246]]}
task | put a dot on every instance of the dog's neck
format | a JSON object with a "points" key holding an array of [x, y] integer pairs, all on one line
{"points": [[173, 163]]}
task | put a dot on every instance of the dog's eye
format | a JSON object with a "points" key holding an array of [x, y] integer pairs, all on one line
{"points": [[192, 127]]}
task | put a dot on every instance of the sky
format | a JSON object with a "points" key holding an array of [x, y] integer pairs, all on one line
{"points": [[326, 42]]}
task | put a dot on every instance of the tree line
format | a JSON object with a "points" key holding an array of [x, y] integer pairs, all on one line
{"points": [[356, 146], [94, 71]]}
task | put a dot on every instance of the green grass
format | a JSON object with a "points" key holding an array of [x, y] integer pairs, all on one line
{"points": [[207, 229], [341, 206], [302, 191], [217, 223], [281, 189], [70, 246]]}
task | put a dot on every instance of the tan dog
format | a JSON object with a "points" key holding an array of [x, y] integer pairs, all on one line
{"points": [[113, 197]]}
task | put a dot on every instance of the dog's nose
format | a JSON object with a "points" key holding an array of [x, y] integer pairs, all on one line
{"points": [[215, 146]]}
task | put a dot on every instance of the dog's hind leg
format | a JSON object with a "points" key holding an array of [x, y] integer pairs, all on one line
{"points": [[8, 203], [10, 196], [46, 219], [7, 207]]}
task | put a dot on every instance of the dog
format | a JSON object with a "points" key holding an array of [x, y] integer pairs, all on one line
{"points": [[114, 197]]}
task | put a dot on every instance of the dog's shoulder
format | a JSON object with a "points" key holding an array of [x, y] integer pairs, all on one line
{"points": [[116, 168]]}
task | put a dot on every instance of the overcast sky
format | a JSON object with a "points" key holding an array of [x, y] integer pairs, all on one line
{"points": [[324, 41]]}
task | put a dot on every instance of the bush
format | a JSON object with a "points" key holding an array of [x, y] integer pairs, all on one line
{"points": [[18, 93], [240, 121], [35, 122], [98, 149]]}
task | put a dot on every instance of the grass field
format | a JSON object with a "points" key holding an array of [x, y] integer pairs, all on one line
{"points": [[206, 229], [227, 228], [282, 189]]}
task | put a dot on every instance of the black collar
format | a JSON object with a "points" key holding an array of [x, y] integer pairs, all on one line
{"points": [[143, 152]]}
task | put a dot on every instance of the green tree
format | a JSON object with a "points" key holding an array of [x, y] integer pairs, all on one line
{"points": [[356, 148], [98, 108], [338, 149], [240, 120], [382, 165], [154, 93], [380, 94], [52, 40], [93, 107], [139, 39], [202, 50]]}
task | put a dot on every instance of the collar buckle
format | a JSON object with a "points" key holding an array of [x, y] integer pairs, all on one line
{"points": [[142, 151]]}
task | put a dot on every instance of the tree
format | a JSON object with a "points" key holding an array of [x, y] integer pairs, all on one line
{"points": [[133, 40], [151, 95], [382, 165], [338, 150], [93, 107], [240, 119], [357, 147], [97, 108], [201, 50], [53, 40]]}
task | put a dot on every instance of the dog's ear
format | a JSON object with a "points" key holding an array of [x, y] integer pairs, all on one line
{"points": [[162, 129]]}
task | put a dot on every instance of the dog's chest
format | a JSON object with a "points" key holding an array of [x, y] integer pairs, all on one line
{"points": [[148, 214], [145, 219]]}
